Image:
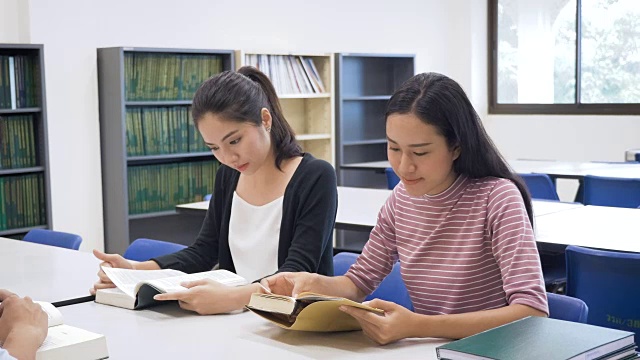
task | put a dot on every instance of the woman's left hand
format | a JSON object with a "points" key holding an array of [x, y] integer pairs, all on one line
{"points": [[206, 297], [394, 325]]}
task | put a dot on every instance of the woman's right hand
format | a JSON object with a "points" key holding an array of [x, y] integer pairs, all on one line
{"points": [[294, 283], [110, 260]]}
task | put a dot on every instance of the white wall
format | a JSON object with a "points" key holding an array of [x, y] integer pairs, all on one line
{"points": [[72, 30], [447, 36], [14, 21]]}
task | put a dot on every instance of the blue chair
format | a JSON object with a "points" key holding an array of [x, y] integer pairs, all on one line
{"points": [[567, 308], [606, 191], [608, 282], [392, 178], [207, 197], [145, 249], [54, 238], [540, 186], [552, 261], [392, 288]]}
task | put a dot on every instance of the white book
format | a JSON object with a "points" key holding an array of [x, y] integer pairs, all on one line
{"points": [[135, 289], [66, 342], [12, 82]]}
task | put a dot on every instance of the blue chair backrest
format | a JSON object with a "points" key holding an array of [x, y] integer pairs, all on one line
{"points": [[609, 283], [392, 178], [540, 186], [145, 249], [54, 238], [207, 197], [606, 191], [567, 308], [392, 288]]}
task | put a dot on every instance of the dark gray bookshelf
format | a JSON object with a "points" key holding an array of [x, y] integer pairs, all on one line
{"points": [[364, 85], [120, 226], [33, 198]]}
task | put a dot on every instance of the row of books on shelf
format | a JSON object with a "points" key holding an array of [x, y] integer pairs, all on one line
{"points": [[17, 142], [289, 74], [162, 130], [154, 188], [19, 81], [152, 76], [22, 201]]}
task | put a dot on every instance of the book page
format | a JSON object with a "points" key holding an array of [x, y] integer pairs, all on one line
{"points": [[172, 284], [54, 315], [126, 279], [64, 335]]}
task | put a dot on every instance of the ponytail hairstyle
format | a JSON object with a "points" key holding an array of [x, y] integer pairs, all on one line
{"points": [[440, 102], [240, 96]]}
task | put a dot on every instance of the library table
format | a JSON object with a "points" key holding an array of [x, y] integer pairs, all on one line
{"points": [[557, 169], [168, 332], [358, 207], [607, 228], [47, 273]]}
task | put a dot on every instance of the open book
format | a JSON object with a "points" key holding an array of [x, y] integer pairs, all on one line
{"points": [[135, 289], [66, 342], [307, 312]]}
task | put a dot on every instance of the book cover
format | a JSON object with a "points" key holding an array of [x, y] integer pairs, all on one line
{"points": [[541, 338], [307, 312]]}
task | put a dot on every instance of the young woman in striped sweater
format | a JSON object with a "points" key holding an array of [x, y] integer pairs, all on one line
{"points": [[460, 223]]}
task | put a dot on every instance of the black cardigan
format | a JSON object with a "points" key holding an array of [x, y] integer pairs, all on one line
{"points": [[306, 231]]}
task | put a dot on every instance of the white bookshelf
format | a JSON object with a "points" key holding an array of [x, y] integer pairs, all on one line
{"points": [[311, 114]]}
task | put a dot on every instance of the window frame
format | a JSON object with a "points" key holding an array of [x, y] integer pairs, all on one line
{"points": [[575, 108]]}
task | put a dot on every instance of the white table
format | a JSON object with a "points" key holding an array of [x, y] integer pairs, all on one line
{"points": [[47, 273], [371, 165], [558, 169], [168, 332], [543, 207], [607, 228], [575, 169], [358, 207]]}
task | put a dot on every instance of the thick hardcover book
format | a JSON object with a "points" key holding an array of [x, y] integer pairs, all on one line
{"points": [[135, 289], [66, 342], [537, 338], [307, 311]]}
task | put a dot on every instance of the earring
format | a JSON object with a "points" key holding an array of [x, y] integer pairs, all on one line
{"points": [[269, 129]]}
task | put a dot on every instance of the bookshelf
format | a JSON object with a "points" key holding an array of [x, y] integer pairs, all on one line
{"points": [[25, 200], [152, 155], [308, 108], [364, 85]]}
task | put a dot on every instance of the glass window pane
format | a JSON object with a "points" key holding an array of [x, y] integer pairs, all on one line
{"points": [[610, 51], [536, 51]]}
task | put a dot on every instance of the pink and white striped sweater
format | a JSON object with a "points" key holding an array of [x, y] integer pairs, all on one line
{"points": [[466, 249]]}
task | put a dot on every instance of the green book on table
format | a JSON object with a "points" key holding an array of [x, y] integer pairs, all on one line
{"points": [[542, 338]]}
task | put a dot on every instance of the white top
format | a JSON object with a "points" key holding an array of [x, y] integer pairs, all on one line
{"points": [[254, 234], [4, 355]]}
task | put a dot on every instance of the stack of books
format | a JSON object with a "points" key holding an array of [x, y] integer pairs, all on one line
{"points": [[543, 338]]}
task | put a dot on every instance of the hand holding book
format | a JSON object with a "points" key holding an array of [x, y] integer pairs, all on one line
{"points": [[308, 311], [108, 260], [295, 283], [204, 296], [395, 324]]}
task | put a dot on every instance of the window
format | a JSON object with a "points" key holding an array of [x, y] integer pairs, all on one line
{"points": [[564, 56]]}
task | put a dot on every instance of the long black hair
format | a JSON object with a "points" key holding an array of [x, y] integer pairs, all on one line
{"points": [[440, 101], [240, 96]]}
